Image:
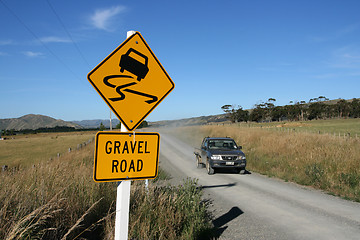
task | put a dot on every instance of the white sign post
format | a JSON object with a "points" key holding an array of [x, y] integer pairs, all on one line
{"points": [[122, 199], [131, 102]]}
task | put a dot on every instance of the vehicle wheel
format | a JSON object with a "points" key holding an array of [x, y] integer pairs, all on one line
{"points": [[209, 169]]}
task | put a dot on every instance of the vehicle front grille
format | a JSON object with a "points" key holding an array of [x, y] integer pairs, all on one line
{"points": [[229, 158]]}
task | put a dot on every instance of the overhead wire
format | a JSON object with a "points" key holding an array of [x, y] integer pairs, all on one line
{"points": [[68, 33], [37, 38]]}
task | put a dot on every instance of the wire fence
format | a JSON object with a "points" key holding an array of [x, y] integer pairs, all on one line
{"points": [[289, 130]]}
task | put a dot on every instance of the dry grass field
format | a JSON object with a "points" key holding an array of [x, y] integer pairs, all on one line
{"points": [[28, 149], [319, 160], [58, 199], [336, 127], [50, 197]]}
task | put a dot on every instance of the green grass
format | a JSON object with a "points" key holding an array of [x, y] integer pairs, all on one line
{"points": [[29, 149]]}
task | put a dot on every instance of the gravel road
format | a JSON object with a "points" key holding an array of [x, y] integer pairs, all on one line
{"points": [[253, 206]]}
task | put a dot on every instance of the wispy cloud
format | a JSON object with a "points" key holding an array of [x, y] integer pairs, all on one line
{"points": [[277, 67], [6, 42], [342, 62], [335, 34], [346, 57], [52, 39], [103, 18], [33, 54], [325, 76]]}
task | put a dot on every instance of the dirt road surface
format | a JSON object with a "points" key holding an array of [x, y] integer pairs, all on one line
{"points": [[253, 206]]}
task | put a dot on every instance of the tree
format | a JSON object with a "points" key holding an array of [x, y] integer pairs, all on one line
{"points": [[230, 112], [270, 106], [242, 115], [263, 111], [278, 113], [142, 125], [258, 113], [355, 108], [236, 115], [102, 127], [316, 110]]}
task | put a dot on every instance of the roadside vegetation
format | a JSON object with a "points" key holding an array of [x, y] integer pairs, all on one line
{"points": [[56, 198], [315, 109], [322, 161]]}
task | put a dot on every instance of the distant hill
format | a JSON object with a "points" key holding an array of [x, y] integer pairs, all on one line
{"points": [[34, 121], [96, 123], [180, 122], [191, 121]]}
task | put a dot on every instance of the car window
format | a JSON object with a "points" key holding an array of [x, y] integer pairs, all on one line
{"points": [[222, 144]]}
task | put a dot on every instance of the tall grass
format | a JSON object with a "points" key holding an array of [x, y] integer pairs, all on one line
{"points": [[324, 162], [58, 199], [61, 189], [169, 212]]}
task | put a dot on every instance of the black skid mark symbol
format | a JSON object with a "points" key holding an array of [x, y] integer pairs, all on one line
{"points": [[107, 78], [119, 89], [152, 100]]}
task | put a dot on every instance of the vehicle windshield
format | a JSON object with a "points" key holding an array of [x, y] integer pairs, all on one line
{"points": [[222, 144]]}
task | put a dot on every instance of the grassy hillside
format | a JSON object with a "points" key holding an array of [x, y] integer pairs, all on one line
{"points": [[33, 121], [212, 119]]}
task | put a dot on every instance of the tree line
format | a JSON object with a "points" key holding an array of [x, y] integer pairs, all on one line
{"points": [[143, 124], [9, 132], [315, 108]]}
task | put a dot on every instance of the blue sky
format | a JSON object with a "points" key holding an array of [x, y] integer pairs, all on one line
{"points": [[216, 52]]}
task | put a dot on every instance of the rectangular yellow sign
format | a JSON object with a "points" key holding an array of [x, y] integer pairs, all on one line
{"points": [[126, 156]]}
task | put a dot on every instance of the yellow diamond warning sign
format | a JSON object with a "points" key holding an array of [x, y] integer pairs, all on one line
{"points": [[132, 81], [126, 156]]}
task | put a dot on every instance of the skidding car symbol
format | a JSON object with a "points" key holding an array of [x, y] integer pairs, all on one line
{"points": [[134, 66]]}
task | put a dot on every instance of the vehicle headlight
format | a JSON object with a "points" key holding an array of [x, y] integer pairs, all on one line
{"points": [[241, 158], [215, 157]]}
